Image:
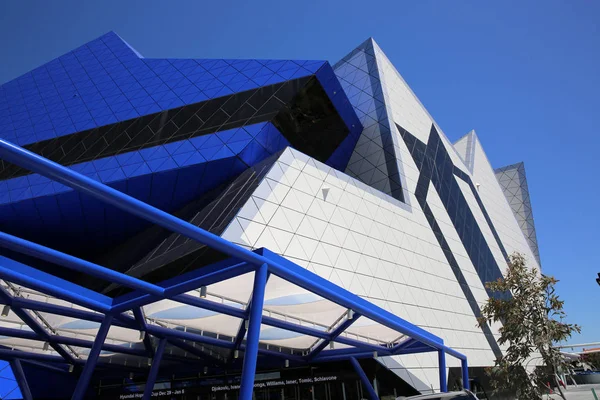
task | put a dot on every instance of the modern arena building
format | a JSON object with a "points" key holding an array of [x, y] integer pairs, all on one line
{"points": [[267, 229]]}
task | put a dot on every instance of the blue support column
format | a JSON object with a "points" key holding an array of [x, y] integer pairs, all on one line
{"points": [[139, 318], [465, 373], [363, 378], [92, 359], [154, 369], [251, 350], [442, 368], [21, 379]]}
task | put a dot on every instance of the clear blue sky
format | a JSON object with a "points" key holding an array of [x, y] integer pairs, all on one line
{"points": [[525, 75]]}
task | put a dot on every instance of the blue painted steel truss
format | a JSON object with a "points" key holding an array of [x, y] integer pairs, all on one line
{"points": [[111, 312]]}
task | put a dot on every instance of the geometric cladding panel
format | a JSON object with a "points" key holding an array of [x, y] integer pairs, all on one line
{"points": [[373, 160], [9, 387], [162, 130], [105, 81], [513, 180]]}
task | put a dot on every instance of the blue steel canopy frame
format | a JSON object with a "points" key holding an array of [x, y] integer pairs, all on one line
{"points": [[262, 262]]}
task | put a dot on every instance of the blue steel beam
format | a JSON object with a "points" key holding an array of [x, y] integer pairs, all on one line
{"points": [[463, 363], [213, 361], [21, 379], [405, 345], [349, 352], [291, 272], [32, 278], [333, 335], [206, 275], [242, 314], [36, 163], [313, 283], [412, 346], [30, 335], [415, 350], [363, 378], [454, 353], [177, 286], [187, 299], [34, 325], [36, 305], [49, 367], [210, 305], [341, 354], [128, 322], [465, 373], [321, 334], [10, 355], [254, 322], [160, 349], [239, 337], [76, 264], [146, 292], [342, 357], [92, 360], [159, 331], [49, 308], [279, 265], [139, 318], [442, 371]]}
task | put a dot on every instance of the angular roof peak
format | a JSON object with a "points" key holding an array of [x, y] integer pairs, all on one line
{"points": [[465, 147], [124, 41], [513, 181]]}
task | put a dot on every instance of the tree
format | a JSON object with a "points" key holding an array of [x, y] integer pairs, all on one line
{"points": [[593, 359], [532, 322]]}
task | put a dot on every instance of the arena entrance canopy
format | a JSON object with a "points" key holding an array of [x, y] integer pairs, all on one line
{"points": [[254, 305]]}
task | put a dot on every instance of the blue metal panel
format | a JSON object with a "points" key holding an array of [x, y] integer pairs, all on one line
{"points": [[161, 176], [63, 175], [105, 81], [13, 384]]}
